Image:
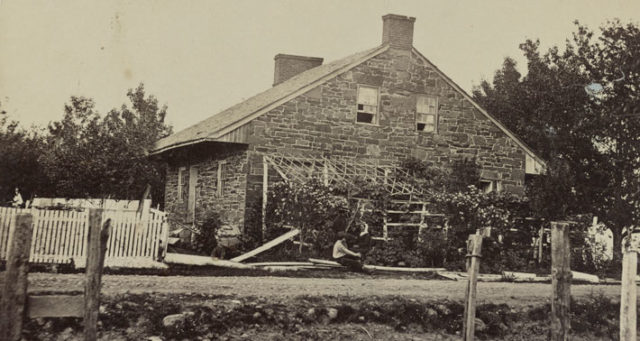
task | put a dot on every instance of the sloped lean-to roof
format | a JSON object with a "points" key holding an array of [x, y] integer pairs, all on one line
{"points": [[212, 128]]}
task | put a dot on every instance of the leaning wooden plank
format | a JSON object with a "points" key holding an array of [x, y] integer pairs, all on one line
{"points": [[177, 258], [55, 306], [267, 246]]}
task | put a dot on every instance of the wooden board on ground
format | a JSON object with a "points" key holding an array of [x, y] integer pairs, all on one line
{"points": [[325, 262], [267, 246], [451, 275], [178, 258], [524, 277], [377, 267], [489, 278], [581, 276], [398, 269], [292, 268], [459, 276], [55, 306], [281, 264]]}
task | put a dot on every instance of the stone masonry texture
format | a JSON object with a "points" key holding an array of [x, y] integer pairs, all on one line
{"points": [[229, 202], [322, 122]]}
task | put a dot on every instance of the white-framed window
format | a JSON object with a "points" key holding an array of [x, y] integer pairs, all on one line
{"points": [[488, 186], [427, 114], [367, 110]]}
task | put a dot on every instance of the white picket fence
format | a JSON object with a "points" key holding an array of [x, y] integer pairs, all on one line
{"points": [[60, 236]]}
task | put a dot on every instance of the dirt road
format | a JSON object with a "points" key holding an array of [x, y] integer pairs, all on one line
{"points": [[510, 293]]}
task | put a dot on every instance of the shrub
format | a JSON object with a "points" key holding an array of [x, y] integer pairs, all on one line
{"points": [[311, 207], [204, 237]]}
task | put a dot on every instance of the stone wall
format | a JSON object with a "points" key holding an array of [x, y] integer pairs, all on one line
{"points": [[323, 122], [229, 203]]}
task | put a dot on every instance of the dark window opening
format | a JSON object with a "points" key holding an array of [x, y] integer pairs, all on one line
{"points": [[364, 117]]}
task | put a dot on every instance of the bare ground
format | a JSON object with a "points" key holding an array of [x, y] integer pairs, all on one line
{"points": [[279, 308], [513, 294]]}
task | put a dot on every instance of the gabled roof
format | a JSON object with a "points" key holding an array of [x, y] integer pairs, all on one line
{"points": [[217, 125], [214, 127]]}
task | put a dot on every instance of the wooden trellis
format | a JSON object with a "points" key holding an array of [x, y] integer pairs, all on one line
{"points": [[298, 169], [341, 171]]}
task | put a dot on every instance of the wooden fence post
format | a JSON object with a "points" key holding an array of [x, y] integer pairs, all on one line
{"points": [[97, 247], [14, 293], [628, 292], [475, 246], [560, 281]]}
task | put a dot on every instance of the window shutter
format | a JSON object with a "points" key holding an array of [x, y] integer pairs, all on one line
{"points": [[191, 204]]}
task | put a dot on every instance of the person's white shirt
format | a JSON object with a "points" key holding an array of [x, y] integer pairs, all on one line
{"points": [[17, 200], [339, 250]]}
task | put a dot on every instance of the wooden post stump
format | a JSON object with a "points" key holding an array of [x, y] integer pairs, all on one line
{"points": [[95, 262], [628, 294], [14, 293], [473, 261], [560, 281]]}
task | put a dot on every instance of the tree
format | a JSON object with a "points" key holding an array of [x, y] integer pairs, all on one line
{"points": [[613, 60], [19, 150], [578, 108], [93, 156]]}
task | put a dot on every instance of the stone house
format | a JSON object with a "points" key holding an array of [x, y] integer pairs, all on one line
{"points": [[382, 105]]}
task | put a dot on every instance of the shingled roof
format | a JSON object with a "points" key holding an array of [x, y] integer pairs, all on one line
{"points": [[216, 126], [219, 124]]}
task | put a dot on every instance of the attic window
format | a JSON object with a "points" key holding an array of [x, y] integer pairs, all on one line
{"points": [[427, 114], [367, 105]]}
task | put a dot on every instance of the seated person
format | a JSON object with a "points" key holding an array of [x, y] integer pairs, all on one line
{"points": [[344, 256], [363, 243]]}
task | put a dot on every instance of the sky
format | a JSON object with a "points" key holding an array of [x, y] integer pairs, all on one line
{"points": [[200, 57]]}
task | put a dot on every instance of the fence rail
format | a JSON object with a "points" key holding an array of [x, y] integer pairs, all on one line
{"points": [[60, 236]]}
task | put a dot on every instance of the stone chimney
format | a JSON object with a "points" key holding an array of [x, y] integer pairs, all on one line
{"points": [[397, 31], [288, 66]]}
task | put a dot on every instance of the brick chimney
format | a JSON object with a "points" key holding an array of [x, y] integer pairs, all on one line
{"points": [[288, 66], [397, 31]]}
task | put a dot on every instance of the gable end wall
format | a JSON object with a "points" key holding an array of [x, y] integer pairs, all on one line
{"points": [[322, 122]]}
